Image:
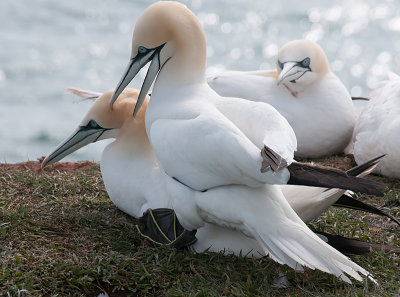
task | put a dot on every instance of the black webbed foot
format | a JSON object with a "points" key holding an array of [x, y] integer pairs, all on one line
{"points": [[161, 227]]}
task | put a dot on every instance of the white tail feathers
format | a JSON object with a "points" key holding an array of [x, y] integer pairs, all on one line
{"points": [[297, 246], [265, 214]]}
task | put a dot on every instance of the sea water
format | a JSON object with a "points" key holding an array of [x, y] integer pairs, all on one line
{"points": [[49, 45]]}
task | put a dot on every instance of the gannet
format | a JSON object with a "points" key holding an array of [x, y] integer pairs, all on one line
{"points": [[305, 91], [205, 142], [135, 183], [130, 174], [378, 128]]}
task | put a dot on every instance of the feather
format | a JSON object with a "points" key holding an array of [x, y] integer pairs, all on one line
{"points": [[355, 246], [86, 95], [349, 202], [320, 176]]}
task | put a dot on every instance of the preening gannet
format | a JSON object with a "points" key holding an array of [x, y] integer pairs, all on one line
{"points": [[208, 142], [305, 91], [378, 128]]}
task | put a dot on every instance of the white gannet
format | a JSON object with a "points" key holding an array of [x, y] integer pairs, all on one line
{"points": [[130, 174], [135, 183], [205, 141], [378, 128], [305, 91]]}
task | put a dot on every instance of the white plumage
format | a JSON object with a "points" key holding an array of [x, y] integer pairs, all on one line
{"points": [[312, 98], [135, 183], [189, 136], [377, 130], [197, 142]]}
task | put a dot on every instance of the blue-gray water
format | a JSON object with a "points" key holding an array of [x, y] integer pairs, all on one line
{"points": [[48, 45]]}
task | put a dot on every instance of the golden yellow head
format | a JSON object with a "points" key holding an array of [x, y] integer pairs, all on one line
{"points": [[169, 37], [101, 122], [123, 109], [170, 23]]}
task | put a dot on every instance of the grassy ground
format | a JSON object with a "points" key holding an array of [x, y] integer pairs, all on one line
{"points": [[60, 235]]}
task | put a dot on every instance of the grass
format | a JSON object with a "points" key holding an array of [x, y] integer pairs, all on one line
{"points": [[60, 235]]}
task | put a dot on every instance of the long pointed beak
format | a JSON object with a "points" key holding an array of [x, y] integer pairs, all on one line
{"points": [[79, 138], [135, 64], [290, 72], [151, 75]]}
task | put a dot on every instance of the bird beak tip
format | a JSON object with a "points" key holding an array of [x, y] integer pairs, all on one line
{"points": [[44, 164]]}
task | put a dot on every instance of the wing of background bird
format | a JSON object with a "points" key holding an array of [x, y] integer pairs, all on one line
{"points": [[239, 84]]}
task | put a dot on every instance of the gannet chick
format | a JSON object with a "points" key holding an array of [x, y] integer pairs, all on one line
{"points": [[305, 91], [378, 128], [206, 142]]}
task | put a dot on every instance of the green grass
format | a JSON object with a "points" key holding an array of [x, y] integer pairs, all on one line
{"points": [[60, 235]]}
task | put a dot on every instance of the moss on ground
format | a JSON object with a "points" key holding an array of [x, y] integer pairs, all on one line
{"points": [[60, 235]]}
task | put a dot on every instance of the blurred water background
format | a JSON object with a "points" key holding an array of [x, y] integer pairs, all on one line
{"points": [[48, 45]]}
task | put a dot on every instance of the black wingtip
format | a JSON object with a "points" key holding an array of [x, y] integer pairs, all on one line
{"points": [[355, 246], [271, 160], [325, 177], [349, 202], [364, 167], [360, 98]]}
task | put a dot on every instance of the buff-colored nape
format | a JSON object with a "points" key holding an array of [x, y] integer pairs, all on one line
{"points": [[113, 119]]}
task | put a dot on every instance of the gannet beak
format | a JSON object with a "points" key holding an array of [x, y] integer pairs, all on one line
{"points": [[82, 136], [291, 72], [135, 64]]}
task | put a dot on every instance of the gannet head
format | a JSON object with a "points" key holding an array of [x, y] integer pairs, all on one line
{"points": [[166, 33], [300, 63], [100, 123]]}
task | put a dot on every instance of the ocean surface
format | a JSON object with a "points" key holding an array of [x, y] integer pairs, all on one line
{"points": [[49, 45]]}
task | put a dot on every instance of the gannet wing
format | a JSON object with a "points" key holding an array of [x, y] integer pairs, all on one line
{"points": [[219, 153], [262, 124], [238, 83]]}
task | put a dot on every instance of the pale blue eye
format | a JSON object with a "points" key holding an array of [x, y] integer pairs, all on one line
{"points": [[280, 64], [306, 62], [142, 50]]}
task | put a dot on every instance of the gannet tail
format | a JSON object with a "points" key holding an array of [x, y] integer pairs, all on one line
{"points": [[346, 201], [325, 177], [285, 247]]}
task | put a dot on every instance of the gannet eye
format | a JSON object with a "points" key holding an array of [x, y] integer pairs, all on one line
{"points": [[142, 50], [93, 125], [306, 62], [280, 64]]}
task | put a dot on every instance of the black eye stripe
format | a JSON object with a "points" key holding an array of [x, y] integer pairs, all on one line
{"points": [[142, 50], [306, 62], [91, 125]]}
